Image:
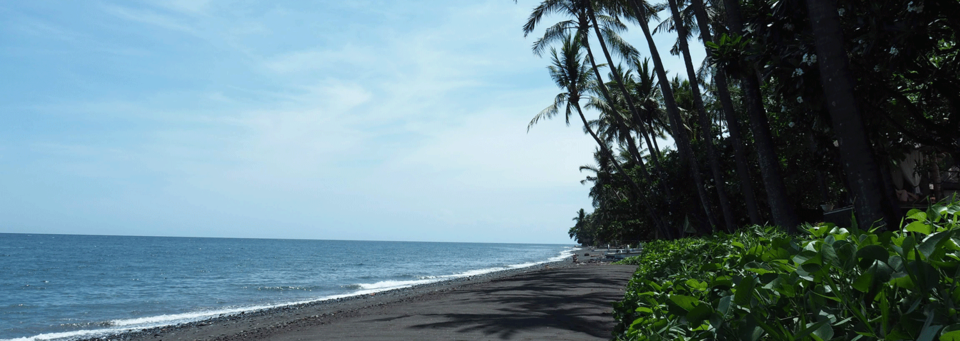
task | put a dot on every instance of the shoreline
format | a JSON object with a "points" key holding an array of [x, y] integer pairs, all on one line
{"points": [[235, 325]]}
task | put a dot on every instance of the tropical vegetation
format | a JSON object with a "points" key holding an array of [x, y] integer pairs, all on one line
{"points": [[727, 171], [827, 283], [799, 105]]}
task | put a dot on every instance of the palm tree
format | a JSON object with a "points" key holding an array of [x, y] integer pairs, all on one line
{"points": [[706, 131], [783, 212], [647, 95], [606, 28], [641, 15], [580, 230], [730, 117], [570, 73], [580, 26], [614, 129], [863, 175]]}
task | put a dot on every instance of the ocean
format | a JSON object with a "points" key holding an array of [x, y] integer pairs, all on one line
{"points": [[55, 287]]}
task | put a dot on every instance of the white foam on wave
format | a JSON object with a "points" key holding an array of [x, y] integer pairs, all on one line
{"points": [[130, 325], [387, 285]]}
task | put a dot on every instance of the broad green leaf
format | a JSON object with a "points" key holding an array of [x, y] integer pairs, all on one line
{"points": [[829, 255], [863, 282], [929, 332], [685, 302], [695, 284], [644, 310], [933, 242], [871, 253], [761, 271], [919, 227], [744, 291], [807, 256], [951, 333], [846, 254], [750, 331], [809, 329], [824, 332], [721, 282], [724, 304], [878, 272], [950, 336], [904, 282], [699, 313], [908, 244], [916, 214]]}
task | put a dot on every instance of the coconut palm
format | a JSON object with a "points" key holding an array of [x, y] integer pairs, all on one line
{"points": [[640, 13], [669, 25], [570, 73], [783, 212], [730, 118], [706, 131], [582, 20], [863, 175], [643, 86]]}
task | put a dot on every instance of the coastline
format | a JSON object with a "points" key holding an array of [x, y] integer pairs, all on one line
{"points": [[256, 322]]}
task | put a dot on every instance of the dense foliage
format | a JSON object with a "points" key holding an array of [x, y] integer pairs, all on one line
{"points": [[755, 134], [829, 283]]}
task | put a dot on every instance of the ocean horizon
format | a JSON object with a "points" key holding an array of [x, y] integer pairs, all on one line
{"points": [[62, 287]]}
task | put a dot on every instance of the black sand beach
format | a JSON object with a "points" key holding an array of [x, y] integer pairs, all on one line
{"points": [[558, 301]]}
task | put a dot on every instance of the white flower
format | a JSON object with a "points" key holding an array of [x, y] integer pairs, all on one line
{"points": [[893, 51], [799, 99], [840, 11], [798, 72], [791, 123], [809, 59]]}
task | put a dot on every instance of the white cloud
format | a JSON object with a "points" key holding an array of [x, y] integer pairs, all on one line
{"points": [[317, 59], [185, 6], [418, 128], [149, 18]]}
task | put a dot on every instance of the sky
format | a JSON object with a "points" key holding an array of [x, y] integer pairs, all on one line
{"points": [[351, 120]]}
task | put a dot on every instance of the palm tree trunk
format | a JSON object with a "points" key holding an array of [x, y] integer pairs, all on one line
{"points": [[733, 124], [639, 192], [679, 133], [859, 163], [706, 128], [623, 89], [632, 145], [783, 212]]}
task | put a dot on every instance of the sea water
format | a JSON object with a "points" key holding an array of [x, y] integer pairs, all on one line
{"points": [[71, 286]]}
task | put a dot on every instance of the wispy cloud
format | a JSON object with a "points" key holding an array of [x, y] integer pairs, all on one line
{"points": [[194, 7], [148, 17], [394, 120]]}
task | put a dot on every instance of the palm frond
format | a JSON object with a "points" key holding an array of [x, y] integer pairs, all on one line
{"points": [[550, 111], [621, 47], [554, 33], [545, 8]]}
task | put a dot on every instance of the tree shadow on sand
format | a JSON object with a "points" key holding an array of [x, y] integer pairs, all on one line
{"points": [[558, 300]]}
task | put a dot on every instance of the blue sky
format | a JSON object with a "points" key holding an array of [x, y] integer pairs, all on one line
{"points": [[365, 120]]}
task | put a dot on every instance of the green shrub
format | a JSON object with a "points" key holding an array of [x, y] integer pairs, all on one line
{"points": [[831, 283]]}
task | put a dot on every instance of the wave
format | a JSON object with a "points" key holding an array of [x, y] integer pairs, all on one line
{"points": [[368, 288], [129, 325]]}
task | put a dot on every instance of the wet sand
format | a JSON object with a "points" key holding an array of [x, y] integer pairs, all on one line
{"points": [[558, 302]]}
